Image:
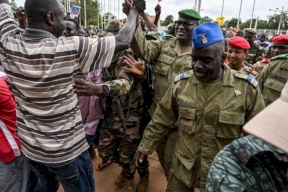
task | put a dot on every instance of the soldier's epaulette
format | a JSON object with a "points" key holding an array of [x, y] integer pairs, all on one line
{"points": [[283, 56], [183, 75], [168, 37], [248, 78]]}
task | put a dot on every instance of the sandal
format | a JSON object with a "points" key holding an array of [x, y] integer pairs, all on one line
{"points": [[100, 167]]}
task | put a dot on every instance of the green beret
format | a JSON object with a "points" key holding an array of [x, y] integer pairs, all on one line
{"points": [[250, 30], [189, 14]]}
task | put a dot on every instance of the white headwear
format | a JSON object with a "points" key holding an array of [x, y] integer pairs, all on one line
{"points": [[3, 75]]}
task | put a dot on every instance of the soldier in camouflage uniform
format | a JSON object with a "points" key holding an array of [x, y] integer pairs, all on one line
{"points": [[258, 162], [171, 56], [111, 29], [237, 53], [210, 105], [254, 54], [119, 134], [274, 76]]}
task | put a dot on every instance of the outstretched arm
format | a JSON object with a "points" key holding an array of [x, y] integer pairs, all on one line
{"points": [[125, 35]]}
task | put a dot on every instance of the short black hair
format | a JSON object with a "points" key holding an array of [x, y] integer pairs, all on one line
{"points": [[75, 22]]}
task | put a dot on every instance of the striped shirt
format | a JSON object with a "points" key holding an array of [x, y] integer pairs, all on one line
{"points": [[41, 68]]}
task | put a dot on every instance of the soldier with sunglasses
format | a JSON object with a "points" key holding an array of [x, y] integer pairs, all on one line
{"points": [[171, 56]]}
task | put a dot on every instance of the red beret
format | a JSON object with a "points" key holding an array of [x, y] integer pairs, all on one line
{"points": [[239, 42], [281, 39]]}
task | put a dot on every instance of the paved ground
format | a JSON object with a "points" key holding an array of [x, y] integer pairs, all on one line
{"points": [[104, 180]]}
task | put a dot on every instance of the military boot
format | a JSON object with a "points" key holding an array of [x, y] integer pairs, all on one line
{"points": [[143, 184]]}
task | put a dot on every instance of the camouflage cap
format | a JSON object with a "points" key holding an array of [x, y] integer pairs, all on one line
{"points": [[250, 30], [189, 14], [113, 26]]}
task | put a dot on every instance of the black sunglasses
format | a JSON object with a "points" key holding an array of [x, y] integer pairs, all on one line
{"points": [[184, 23]]}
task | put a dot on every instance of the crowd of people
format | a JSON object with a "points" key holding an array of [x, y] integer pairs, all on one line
{"points": [[209, 105]]}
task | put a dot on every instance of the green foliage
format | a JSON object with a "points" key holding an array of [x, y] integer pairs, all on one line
{"points": [[205, 19], [13, 5], [232, 23], [168, 20], [92, 10], [273, 21], [262, 24]]}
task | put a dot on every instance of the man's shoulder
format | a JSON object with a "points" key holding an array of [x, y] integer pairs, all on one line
{"points": [[248, 78], [250, 70], [182, 76], [280, 57]]}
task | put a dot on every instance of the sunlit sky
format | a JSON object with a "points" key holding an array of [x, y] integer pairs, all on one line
{"points": [[211, 8]]}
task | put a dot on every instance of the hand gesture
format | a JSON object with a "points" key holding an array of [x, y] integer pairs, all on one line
{"points": [[139, 158], [135, 67], [127, 6], [157, 9], [140, 5], [21, 14], [86, 88]]}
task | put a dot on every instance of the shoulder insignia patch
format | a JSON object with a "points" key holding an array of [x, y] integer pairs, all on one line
{"points": [[283, 56], [248, 78], [183, 75], [249, 70]]}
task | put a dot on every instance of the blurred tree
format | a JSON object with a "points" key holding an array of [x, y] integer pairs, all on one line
{"points": [[232, 23], [273, 21], [205, 19], [13, 5]]}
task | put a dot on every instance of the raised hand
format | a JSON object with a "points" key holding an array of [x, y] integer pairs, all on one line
{"points": [[127, 6], [140, 5], [21, 14], [135, 67], [157, 9]]}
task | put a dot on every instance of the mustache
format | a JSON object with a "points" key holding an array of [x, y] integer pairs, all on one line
{"points": [[199, 70]]}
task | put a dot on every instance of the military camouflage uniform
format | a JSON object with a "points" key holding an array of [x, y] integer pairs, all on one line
{"points": [[207, 122], [254, 55], [273, 78], [169, 62], [116, 142], [249, 164]]}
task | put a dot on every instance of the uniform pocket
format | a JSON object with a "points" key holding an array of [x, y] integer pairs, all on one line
{"points": [[187, 119], [163, 64], [274, 84], [230, 124]]}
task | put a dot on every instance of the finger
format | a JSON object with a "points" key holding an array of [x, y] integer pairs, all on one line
{"points": [[128, 59], [136, 160], [127, 63], [79, 81], [131, 57]]}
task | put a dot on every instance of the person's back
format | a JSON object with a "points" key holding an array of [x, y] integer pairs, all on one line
{"points": [[41, 66]]}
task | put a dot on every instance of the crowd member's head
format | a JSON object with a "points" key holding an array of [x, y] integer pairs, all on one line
{"points": [[184, 26], [239, 33], [111, 29], [72, 28], [237, 51], [250, 35], [208, 52], [171, 30], [279, 45], [46, 15], [262, 37]]}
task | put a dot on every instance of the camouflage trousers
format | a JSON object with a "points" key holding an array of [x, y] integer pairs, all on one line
{"points": [[114, 146]]}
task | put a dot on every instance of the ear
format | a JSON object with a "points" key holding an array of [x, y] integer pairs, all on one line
{"points": [[50, 19]]}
